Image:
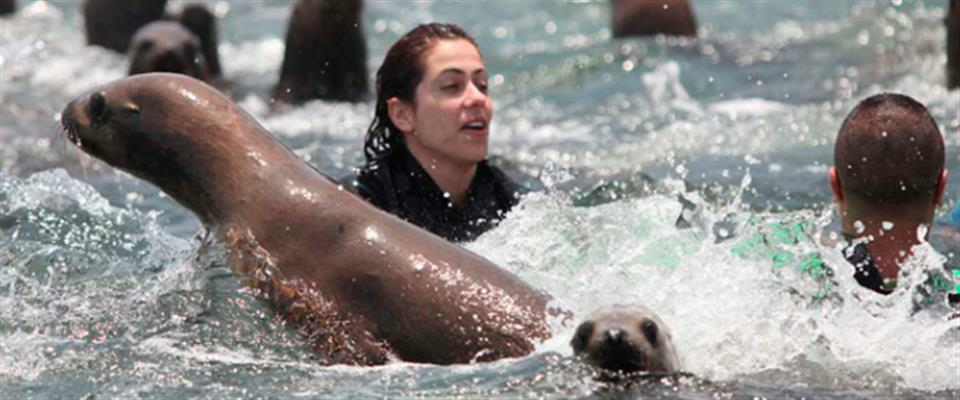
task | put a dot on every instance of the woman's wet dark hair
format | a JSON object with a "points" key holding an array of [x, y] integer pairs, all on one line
{"points": [[398, 76]]}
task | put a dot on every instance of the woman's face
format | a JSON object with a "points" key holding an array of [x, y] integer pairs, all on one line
{"points": [[450, 118]]}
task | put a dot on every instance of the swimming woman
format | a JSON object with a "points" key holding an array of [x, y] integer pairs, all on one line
{"points": [[426, 148]]}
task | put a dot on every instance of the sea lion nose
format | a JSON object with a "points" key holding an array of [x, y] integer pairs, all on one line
{"points": [[97, 106], [613, 337], [170, 61]]}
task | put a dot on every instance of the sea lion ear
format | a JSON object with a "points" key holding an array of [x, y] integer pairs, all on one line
{"points": [[580, 338], [650, 330]]}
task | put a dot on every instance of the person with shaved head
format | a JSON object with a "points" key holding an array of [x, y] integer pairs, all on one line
{"points": [[888, 179]]}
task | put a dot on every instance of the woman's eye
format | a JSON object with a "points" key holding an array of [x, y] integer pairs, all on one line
{"points": [[450, 87], [482, 86]]}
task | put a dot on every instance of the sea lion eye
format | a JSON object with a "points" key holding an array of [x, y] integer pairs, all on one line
{"points": [[144, 46], [97, 107], [650, 330], [579, 341]]}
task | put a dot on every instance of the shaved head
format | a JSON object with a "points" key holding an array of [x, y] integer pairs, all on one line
{"points": [[889, 151]]}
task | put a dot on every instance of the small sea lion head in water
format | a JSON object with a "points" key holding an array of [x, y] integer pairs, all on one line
{"points": [[167, 46], [625, 339]]}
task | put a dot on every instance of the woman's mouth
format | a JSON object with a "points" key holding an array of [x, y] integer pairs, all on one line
{"points": [[477, 127]]}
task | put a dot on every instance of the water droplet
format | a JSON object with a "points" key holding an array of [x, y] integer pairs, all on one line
{"points": [[550, 27], [922, 230], [887, 225], [884, 134], [858, 227], [221, 8]]}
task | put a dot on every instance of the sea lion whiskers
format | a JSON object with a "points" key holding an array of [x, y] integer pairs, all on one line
{"points": [[67, 125], [69, 130]]}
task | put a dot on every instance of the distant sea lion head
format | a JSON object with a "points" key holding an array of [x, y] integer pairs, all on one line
{"points": [[167, 46], [625, 339]]}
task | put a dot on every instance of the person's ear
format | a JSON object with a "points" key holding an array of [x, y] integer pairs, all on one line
{"points": [[401, 114], [835, 185], [940, 188]]}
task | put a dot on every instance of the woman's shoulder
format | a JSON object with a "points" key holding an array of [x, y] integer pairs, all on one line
{"points": [[372, 182]]}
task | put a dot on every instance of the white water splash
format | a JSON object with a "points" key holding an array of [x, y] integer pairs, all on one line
{"points": [[730, 316]]}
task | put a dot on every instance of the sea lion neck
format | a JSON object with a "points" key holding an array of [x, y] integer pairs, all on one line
{"points": [[231, 173]]}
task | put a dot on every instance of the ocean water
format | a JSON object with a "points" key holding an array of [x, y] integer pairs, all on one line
{"points": [[106, 290]]}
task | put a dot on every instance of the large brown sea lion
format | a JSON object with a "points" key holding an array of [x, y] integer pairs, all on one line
{"points": [[626, 339], [362, 284], [326, 53], [167, 46], [651, 17]]}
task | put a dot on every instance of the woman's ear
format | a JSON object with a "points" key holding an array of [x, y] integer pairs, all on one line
{"points": [[401, 114]]}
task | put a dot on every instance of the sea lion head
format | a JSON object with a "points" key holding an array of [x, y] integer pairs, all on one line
{"points": [[625, 339], [167, 46], [143, 123], [176, 132]]}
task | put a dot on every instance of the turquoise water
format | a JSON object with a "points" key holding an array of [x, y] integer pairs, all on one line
{"points": [[105, 290]]}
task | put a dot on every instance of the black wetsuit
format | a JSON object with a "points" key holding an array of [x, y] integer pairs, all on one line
{"points": [[399, 185], [868, 275], [865, 269]]}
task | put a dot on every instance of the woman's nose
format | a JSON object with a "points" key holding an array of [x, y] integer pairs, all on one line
{"points": [[474, 96]]}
